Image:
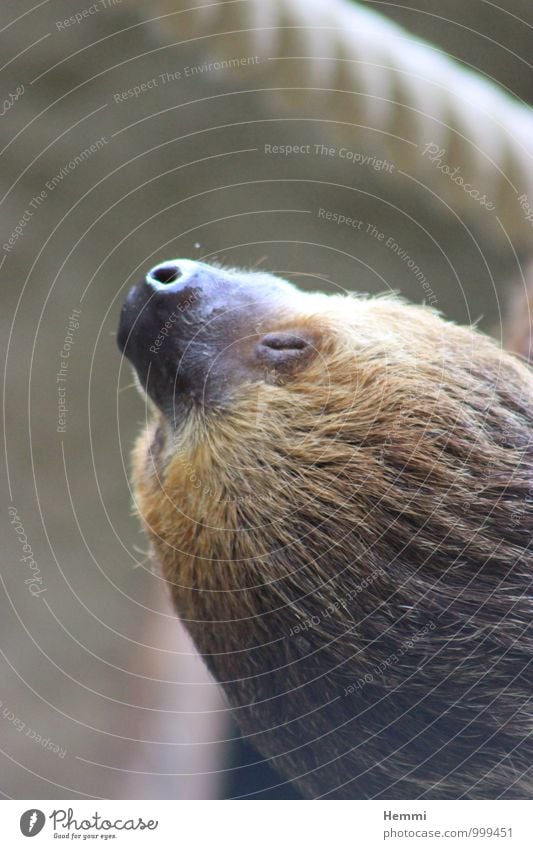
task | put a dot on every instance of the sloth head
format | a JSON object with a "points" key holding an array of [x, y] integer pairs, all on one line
{"points": [[360, 469], [288, 417], [214, 346]]}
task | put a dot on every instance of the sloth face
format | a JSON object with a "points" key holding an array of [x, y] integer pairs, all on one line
{"points": [[196, 333]]}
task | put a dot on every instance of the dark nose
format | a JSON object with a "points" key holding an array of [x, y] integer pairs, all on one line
{"points": [[177, 321], [163, 312], [173, 275]]}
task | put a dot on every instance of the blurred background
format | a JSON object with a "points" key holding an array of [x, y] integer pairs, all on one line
{"points": [[136, 132]]}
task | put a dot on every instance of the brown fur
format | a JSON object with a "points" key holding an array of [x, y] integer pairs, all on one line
{"points": [[350, 553]]}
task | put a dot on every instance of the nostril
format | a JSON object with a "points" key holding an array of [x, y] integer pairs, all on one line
{"points": [[164, 274]]}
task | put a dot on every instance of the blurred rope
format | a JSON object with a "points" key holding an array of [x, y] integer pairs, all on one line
{"points": [[430, 116]]}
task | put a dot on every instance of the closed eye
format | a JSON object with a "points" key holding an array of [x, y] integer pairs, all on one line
{"points": [[284, 349], [283, 341]]}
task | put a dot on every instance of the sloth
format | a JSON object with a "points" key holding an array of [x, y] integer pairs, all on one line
{"points": [[338, 490]]}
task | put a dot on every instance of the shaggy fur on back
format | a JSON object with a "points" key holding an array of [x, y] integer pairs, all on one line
{"points": [[350, 550]]}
